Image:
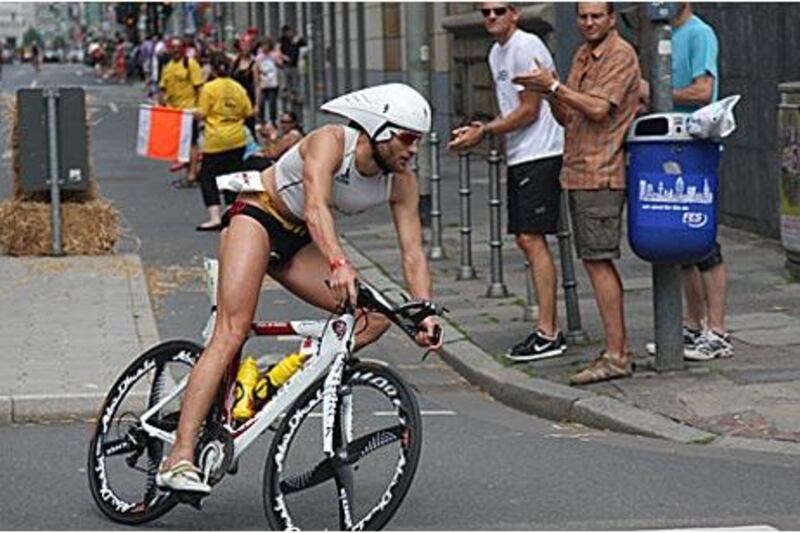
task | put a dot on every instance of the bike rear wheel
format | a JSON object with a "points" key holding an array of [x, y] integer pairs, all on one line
{"points": [[377, 444], [123, 459]]}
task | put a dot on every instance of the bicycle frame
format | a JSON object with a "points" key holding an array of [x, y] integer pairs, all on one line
{"points": [[328, 345]]}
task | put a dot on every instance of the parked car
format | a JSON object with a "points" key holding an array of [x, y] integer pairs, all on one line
{"points": [[52, 55], [75, 54]]}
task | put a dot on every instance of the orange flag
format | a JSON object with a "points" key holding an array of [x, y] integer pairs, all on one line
{"points": [[164, 133]]}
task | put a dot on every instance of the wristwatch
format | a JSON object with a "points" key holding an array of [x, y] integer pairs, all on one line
{"points": [[554, 87]]}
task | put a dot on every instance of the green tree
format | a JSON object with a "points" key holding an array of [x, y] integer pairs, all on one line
{"points": [[32, 36], [59, 43]]}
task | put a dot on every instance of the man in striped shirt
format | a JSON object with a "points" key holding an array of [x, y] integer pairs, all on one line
{"points": [[596, 106]]}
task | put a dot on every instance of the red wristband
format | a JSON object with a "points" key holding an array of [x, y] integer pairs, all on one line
{"points": [[337, 263]]}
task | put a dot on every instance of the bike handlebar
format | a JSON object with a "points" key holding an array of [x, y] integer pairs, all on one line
{"points": [[407, 315]]}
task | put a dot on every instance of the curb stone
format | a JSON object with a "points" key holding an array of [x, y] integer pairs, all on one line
{"points": [[6, 410], [537, 396], [41, 407]]}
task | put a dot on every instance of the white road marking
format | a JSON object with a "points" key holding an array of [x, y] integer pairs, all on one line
{"points": [[755, 527], [394, 413], [423, 413], [34, 83], [113, 107]]}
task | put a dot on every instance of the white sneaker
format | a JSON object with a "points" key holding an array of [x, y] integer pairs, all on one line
{"points": [[183, 476], [690, 337], [710, 346]]}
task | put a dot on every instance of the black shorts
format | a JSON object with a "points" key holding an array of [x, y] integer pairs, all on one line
{"points": [[533, 196], [711, 260], [285, 243]]}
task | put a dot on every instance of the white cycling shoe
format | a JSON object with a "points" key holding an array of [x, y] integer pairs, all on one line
{"points": [[182, 476]]}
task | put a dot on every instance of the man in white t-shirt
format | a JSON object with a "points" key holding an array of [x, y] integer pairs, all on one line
{"points": [[534, 146]]}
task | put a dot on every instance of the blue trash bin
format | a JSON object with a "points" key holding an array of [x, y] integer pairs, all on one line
{"points": [[672, 190]]}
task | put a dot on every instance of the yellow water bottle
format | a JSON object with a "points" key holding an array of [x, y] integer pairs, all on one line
{"points": [[248, 380], [280, 374]]}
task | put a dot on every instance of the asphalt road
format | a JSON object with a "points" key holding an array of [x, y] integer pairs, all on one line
{"points": [[484, 466]]}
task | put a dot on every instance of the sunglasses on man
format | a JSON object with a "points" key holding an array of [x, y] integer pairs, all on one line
{"points": [[406, 137], [498, 11]]}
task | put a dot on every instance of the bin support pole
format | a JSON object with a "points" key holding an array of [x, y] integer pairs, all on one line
{"points": [[55, 189], [667, 303]]}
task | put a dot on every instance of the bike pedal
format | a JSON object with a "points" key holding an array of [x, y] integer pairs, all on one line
{"points": [[195, 499]]}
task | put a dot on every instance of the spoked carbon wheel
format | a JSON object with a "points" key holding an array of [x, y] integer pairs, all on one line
{"points": [[377, 440], [123, 459]]}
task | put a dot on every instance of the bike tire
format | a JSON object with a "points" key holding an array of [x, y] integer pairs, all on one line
{"points": [[366, 382], [114, 502]]}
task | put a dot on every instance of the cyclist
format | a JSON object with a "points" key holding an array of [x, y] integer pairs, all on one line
{"points": [[289, 232]]}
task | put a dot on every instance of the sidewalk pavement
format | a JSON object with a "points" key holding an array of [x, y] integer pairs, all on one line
{"points": [[71, 324], [749, 401]]}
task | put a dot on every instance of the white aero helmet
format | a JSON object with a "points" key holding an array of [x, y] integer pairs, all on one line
{"points": [[377, 108]]}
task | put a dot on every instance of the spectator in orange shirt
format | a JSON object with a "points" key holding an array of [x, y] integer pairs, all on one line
{"points": [[596, 106]]}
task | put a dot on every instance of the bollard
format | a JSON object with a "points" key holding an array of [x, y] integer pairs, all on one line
{"points": [[436, 252], [466, 270], [497, 288], [575, 333]]}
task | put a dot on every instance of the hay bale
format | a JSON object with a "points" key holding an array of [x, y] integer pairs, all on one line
{"points": [[89, 224], [87, 228]]}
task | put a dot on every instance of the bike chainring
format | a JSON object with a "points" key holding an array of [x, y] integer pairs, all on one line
{"points": [[214, 452]]}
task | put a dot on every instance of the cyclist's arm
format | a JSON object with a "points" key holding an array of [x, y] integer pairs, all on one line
{"points": [[318, 169], [404, 202]]}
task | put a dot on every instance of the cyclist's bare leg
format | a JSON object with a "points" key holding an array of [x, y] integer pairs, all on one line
{"points": [[244, 252], [305, 277]]}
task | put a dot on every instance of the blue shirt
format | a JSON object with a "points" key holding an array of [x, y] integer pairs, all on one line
{"points": [[694, 53]]}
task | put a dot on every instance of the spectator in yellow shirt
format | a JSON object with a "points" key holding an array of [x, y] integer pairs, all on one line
{"points": [[180, 82], [224, 106]]}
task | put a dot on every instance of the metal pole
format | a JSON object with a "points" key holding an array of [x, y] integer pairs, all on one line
{"points": [[667, 304], [309, 68], [497, 289], [318, 55], [417, 75], [260, 18], [55, 190], [436, 252], [362, 45], [334, 51], [466, 270], [348, 59], [575, 333]]}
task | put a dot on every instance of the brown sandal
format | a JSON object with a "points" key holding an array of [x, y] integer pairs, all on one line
{"points": [[601, 369]]}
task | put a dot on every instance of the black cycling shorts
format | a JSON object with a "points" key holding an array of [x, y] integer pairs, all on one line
{"points": [[285, 242]]}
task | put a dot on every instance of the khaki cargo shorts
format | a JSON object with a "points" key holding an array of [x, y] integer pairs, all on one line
{"points": [[597, 222]]}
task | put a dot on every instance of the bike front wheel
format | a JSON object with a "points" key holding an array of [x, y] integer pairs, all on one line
{"points": [[377, 445], [123, 458]]}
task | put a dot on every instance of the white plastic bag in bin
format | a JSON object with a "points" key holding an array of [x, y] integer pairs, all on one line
{"points": [[714, 121]]}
